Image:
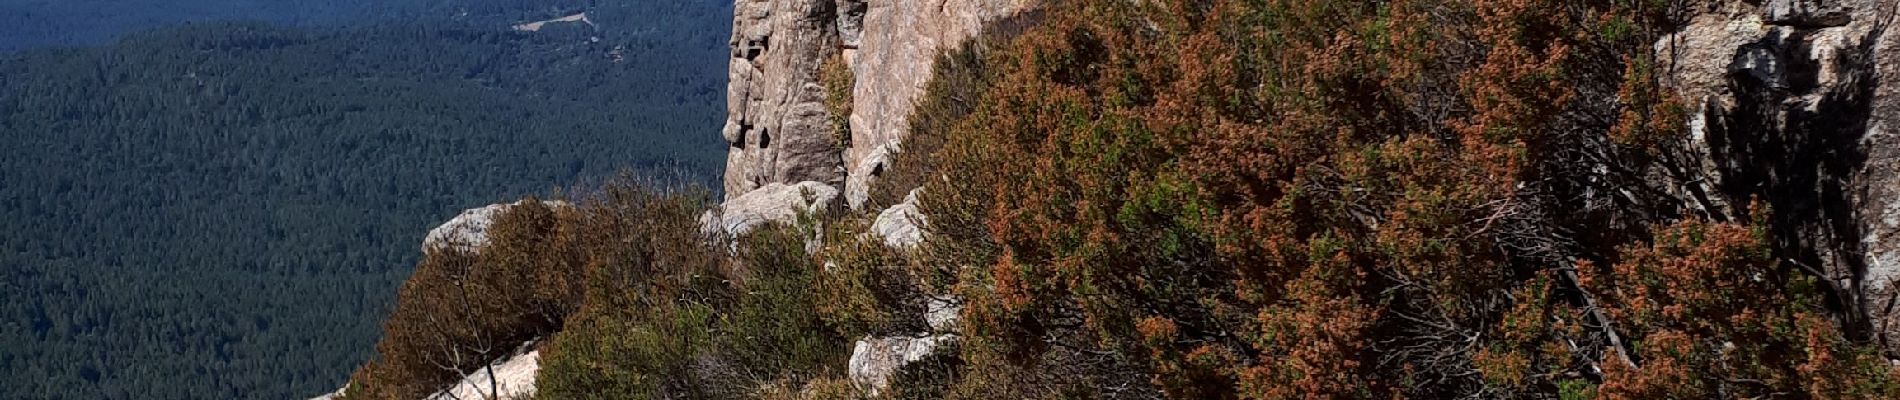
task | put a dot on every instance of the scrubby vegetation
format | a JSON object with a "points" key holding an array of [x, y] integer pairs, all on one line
{"points": [[647, 305], [1349, 200], [1266, 199], [716, 332], [464, 308], [837, 79]]}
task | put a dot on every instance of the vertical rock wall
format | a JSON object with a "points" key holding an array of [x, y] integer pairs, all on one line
{"points": [[1794, 103], [893, 58], [778, 127], [1878, 189], [783, 153]]}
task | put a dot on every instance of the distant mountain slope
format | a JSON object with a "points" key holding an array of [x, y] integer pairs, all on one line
{"points": [[26, 24], [224, 210]]}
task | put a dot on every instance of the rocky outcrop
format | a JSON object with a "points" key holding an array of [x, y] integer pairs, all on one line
{"points": [[876, 359], [774, 202], [1794, 103], [902, 225], [777, 125], [331, 395], [469, 230], [893, 59], [779, 131], [514, 375], [512, 378]]}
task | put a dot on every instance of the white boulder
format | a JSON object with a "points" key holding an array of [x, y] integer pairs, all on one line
{"points": [[469, 231], [902, 225], [773, 202], [874, 360], [513, 378]]}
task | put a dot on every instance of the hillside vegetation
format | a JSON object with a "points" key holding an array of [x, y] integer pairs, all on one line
{"points": [[1256, 199]]}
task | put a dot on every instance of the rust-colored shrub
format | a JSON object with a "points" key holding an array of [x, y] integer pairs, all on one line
{"points": [[463, 309], [1290, 199], [1712, 314]]}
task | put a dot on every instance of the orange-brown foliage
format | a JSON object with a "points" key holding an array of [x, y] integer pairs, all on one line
{"points": [[1714, 315], [1301, 199], [463, 309]]}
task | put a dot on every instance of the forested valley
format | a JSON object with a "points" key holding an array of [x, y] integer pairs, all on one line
{"points": [[225, 209], [28, 24]]}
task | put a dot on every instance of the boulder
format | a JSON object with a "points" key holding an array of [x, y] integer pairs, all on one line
{"points": [[874, 360], [469, 231], [513, 378], [773, 202], [942, 313], [902, 225]]}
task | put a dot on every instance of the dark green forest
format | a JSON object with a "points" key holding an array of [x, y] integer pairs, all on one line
{"points": [[26, 24], [225, 209]]}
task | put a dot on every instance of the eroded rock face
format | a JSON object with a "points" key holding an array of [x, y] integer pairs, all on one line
{"points": [[1795, 103], [777, 124], [895, 59], [1878, 180], [1809, 13], [774, 202]]}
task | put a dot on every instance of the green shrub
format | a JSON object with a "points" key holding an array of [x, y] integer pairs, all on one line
{"points": [[866, 287], [839, 82], [715, 331]]}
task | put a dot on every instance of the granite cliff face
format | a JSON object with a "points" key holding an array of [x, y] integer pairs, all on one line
{"points": [[784, 155], [1793, 102], [893, 58], [778, 127], [777, 123]]}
